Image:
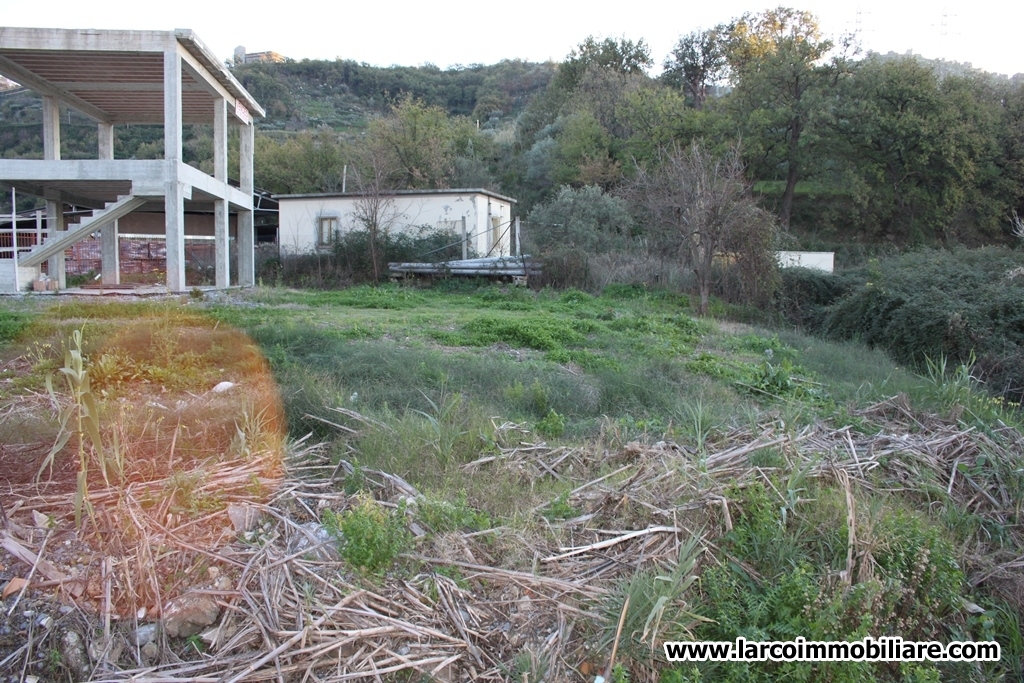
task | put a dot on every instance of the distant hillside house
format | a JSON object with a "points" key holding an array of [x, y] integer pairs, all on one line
{"points": [[313, 222], [243, 57]]}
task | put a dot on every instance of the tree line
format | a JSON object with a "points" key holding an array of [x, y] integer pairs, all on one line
{"points": [[841, 147]]}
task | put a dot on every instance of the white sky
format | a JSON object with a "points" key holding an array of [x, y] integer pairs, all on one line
{"points": [[412, 32]]}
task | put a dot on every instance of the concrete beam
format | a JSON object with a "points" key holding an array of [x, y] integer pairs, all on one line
{"points": [[85, 40], [40, 85], [56, 246], [211, 186], [57, 196], [29, 170], [116, 86], [216, 69], [156, 118], [206, 81]]}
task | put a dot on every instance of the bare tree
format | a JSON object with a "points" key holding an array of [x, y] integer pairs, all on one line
{"points": [[375, 209], [698, 206]]}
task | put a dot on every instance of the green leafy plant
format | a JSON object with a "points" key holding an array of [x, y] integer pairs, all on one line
{"points": [[369, 535], [552, 426], [561, 508], [442, 515]]}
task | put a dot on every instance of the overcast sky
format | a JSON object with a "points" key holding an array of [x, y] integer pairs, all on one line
{"points": [[983, 32]]}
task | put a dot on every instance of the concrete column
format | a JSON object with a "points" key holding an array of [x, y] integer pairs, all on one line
{"points": [[14, 237], [51, 128], [174, 192], [246, 239], [54, 207], [105, 138], [110, 253], [54, 225], [110, 264], [220, 206]]}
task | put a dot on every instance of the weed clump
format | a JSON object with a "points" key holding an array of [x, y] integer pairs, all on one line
{"points": [[369, 535]]}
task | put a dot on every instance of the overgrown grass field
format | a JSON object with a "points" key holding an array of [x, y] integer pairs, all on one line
{"points": [[450, 387]]}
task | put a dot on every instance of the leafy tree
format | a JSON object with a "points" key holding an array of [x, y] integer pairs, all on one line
{"points": [[698, 206], [778, 64], [623, 56], [583, 153], [697, 62], [419, 143], [924, 153], [307, 162], [580, 218], [654, 118]]}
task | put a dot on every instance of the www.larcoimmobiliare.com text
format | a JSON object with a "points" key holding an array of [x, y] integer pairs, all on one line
{"points": [[884, 649]]}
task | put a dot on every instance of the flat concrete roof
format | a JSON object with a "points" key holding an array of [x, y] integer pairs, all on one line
{"points": [[400, 193], [118, 76]]}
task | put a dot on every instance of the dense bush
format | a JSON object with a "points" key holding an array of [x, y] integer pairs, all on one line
{"points": [[959, 305], [349, 262], [804, 296]]}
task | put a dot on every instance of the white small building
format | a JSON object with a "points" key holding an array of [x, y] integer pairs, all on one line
{"points": [[481, 219], [815, 260]]}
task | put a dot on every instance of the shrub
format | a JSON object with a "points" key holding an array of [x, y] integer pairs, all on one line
{"points": [[349, 262], [804, 295], [370, 536], [948, 304], [12, 325]]}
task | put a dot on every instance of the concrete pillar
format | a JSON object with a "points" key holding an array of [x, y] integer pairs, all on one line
{"points": [[174, 192], [220, 206], [51, 128], [54, 206], [246, 239], [110, 264], [54, 225], [105, 138], [14, 237], [110, 253]]}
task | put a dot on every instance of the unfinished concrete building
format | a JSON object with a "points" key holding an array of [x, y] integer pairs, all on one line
{"points": [[129, 77]]}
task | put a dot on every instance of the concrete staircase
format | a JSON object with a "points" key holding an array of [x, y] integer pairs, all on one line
{"points": [[60, 241]]}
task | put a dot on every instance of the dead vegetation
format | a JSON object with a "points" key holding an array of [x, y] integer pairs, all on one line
{"points": [[538, 601]]}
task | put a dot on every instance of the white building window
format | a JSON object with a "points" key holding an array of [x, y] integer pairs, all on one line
{"points": [[327, 231]]}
